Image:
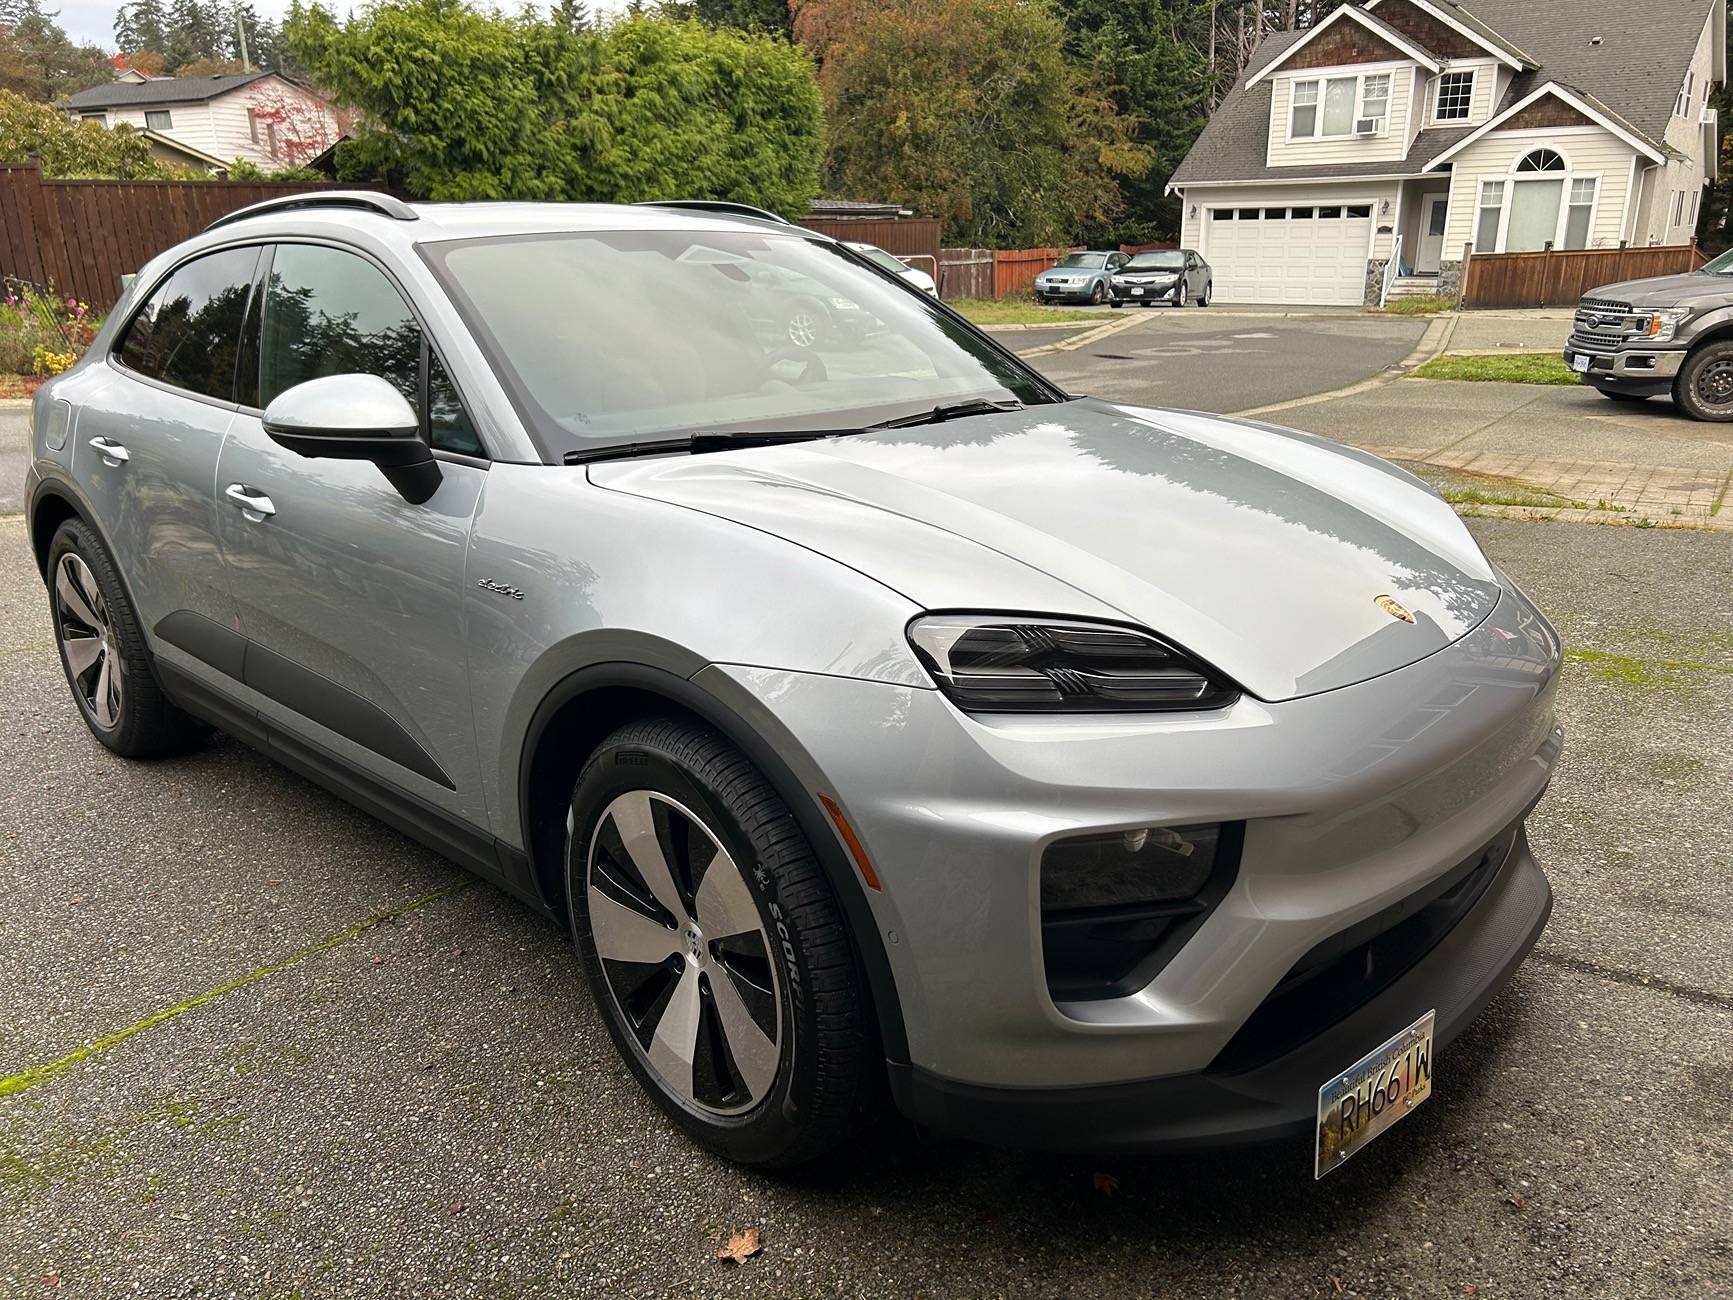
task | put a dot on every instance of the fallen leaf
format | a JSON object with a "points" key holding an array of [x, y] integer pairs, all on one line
{"points": [[1515, 1198], [741, 1247], [1106, 1184], [457, 1207], [1470, 1288], [1337, 1283], [378, 961]]}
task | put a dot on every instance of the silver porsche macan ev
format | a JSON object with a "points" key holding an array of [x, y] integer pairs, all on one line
{"points": [[884, 721]]}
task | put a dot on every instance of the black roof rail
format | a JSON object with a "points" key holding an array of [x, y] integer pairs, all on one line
{"points": [[721, 207], [386, 205]]}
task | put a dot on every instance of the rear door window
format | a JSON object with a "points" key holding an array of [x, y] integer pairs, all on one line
{"points": [[188, 331]]}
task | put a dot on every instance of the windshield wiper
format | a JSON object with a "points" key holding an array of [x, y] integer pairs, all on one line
{"points": [[694, 443], [949, 411]]}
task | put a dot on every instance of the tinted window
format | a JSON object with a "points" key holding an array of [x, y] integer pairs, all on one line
{"points": [[187, 332], [328, 312]]}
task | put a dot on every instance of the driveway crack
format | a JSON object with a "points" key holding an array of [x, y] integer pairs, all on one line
{"points": [[1632, 979]]}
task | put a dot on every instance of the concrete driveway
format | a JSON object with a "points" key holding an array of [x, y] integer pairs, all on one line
{"points": [[253, 1043]]}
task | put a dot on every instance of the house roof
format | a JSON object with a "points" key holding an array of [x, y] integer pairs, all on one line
{"points": [[1353, 13], [1635, 74], [162, 90], [1453, 13], [171, 145]]}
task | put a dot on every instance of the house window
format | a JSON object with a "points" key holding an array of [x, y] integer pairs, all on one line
{"points": [[1684, 101], [1541, 160], [1343, 100], [1491, 209], [253, 125], [101, 119], [1305, 116], [159, 119], [1455, 95], [271, 138], [1678, 207], [1375, 96], [1696, 198], [1582, 208]]}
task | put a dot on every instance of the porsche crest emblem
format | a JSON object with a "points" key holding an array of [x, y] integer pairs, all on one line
{"points": [[1393, 607]]}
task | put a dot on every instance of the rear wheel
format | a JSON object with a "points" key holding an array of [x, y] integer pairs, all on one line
{"points": [[1208, 288], [1704, 388], [715, 948], [103, 651]]}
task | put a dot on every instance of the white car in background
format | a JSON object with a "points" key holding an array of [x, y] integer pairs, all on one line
{"points": [[896, 266]]}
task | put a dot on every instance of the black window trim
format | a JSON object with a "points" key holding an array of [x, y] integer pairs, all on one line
{"points": [[144, 299], [427, 339]]}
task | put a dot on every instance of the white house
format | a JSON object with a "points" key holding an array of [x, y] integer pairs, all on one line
{"points": [[259, 116], [1415, 129]]}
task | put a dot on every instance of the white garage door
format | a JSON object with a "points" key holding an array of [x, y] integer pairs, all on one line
{"points": [[1289, 254]]}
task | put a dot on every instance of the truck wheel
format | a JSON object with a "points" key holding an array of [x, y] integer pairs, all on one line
{"points": [[1704, 388]]}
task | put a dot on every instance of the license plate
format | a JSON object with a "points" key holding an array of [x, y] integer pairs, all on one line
{"points": [[1580, 364], [1368, 1098], [1137, 293]]}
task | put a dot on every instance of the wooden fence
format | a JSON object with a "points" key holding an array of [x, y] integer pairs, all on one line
{"points": [[914, 238], [79, 237], [1558, 278]]}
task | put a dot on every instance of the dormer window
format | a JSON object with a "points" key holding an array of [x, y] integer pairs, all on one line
{"points": [[1330, 107], [1455, 97]]}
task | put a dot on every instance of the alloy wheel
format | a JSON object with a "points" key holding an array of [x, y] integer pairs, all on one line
{"points": [[1715, 383], [87, 640], [802, 329], [684, 952]]}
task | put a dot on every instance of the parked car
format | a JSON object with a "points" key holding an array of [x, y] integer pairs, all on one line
{"points": [[1671, 334], [1078, 277], [897, 267], [1177, 276], [879, 719]]}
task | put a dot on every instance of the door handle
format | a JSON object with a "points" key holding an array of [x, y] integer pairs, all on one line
{"points": [[256, 506], [113, 454]]}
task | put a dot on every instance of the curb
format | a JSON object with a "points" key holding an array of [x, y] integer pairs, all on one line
{"points": [[1118, 325], [1432, 344], [1056, 325], [1599, 518]]}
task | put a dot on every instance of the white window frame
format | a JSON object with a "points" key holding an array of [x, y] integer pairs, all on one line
{"points": [[1438, 95], [153, 112], [1512, 178], [1683, 104], [1323, 76]]}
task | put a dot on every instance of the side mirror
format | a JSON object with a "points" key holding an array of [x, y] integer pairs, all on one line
{"points": [[356, 417]]}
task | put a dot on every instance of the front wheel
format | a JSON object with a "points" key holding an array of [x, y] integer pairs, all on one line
{"points": [[715, 948], [1183, 297], [1115, 303], [1704, 388], [1098, 294]]}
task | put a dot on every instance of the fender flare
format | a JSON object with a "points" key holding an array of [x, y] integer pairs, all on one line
{"points": [[688, 695]]}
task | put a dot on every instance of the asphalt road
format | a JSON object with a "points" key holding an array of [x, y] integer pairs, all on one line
{"points": [[14, 457], [1210, 361], [281, 1099]]}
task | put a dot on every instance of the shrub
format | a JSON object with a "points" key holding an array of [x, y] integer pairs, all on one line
{"points": [[42, 333]]}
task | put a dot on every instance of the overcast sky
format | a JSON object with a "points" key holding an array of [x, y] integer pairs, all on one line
{"points": [[92, 21]]}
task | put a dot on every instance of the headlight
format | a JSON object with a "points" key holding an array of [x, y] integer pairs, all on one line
{"points": [[1660, 326], [997, 663]]}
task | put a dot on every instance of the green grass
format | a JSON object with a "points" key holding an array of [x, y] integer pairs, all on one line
{"points": [[1018, 311], [1418, 306], [1515, 368]]}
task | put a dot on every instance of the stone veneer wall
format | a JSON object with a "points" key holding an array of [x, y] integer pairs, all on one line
{"points": [[1375, 279]]}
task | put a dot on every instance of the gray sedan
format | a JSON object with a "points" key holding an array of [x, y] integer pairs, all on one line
{"points": [[1078, 277], [1177, 276]]}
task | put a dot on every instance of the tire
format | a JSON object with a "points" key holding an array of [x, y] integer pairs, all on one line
{"points": [[805, 327], [1115, 303], [798, 1075], [1704, 387], [103, 652], [1041, 299], [1207, 290], [1183, 297], [1098, 294]]}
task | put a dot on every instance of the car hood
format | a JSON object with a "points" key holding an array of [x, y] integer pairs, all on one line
{"points": [[1664, 290], [1263, 552]]}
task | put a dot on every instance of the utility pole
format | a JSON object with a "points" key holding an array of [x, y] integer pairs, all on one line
{"points": [[241, 32]]}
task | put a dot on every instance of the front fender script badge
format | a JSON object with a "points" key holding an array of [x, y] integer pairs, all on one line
{"points": [[1393, 607]]}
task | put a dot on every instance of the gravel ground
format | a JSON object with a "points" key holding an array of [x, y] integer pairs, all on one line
{"points": [[428, 1105]]}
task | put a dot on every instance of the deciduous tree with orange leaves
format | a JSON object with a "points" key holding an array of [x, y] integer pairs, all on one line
{"points": [[970, 110]]}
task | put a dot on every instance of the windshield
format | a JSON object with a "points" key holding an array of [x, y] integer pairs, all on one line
{"points": [[608, 337], [1088, 261], [1722, 265], [884, 259], [1160, 261]]}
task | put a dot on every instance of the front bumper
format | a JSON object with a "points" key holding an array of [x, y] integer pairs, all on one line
{"points": [[1354, 801], [1626, 367], [1151, 292], [1275, 1099], [1074, 292]]}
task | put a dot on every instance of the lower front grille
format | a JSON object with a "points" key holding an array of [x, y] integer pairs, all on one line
{"points": [[1347, 970]]}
